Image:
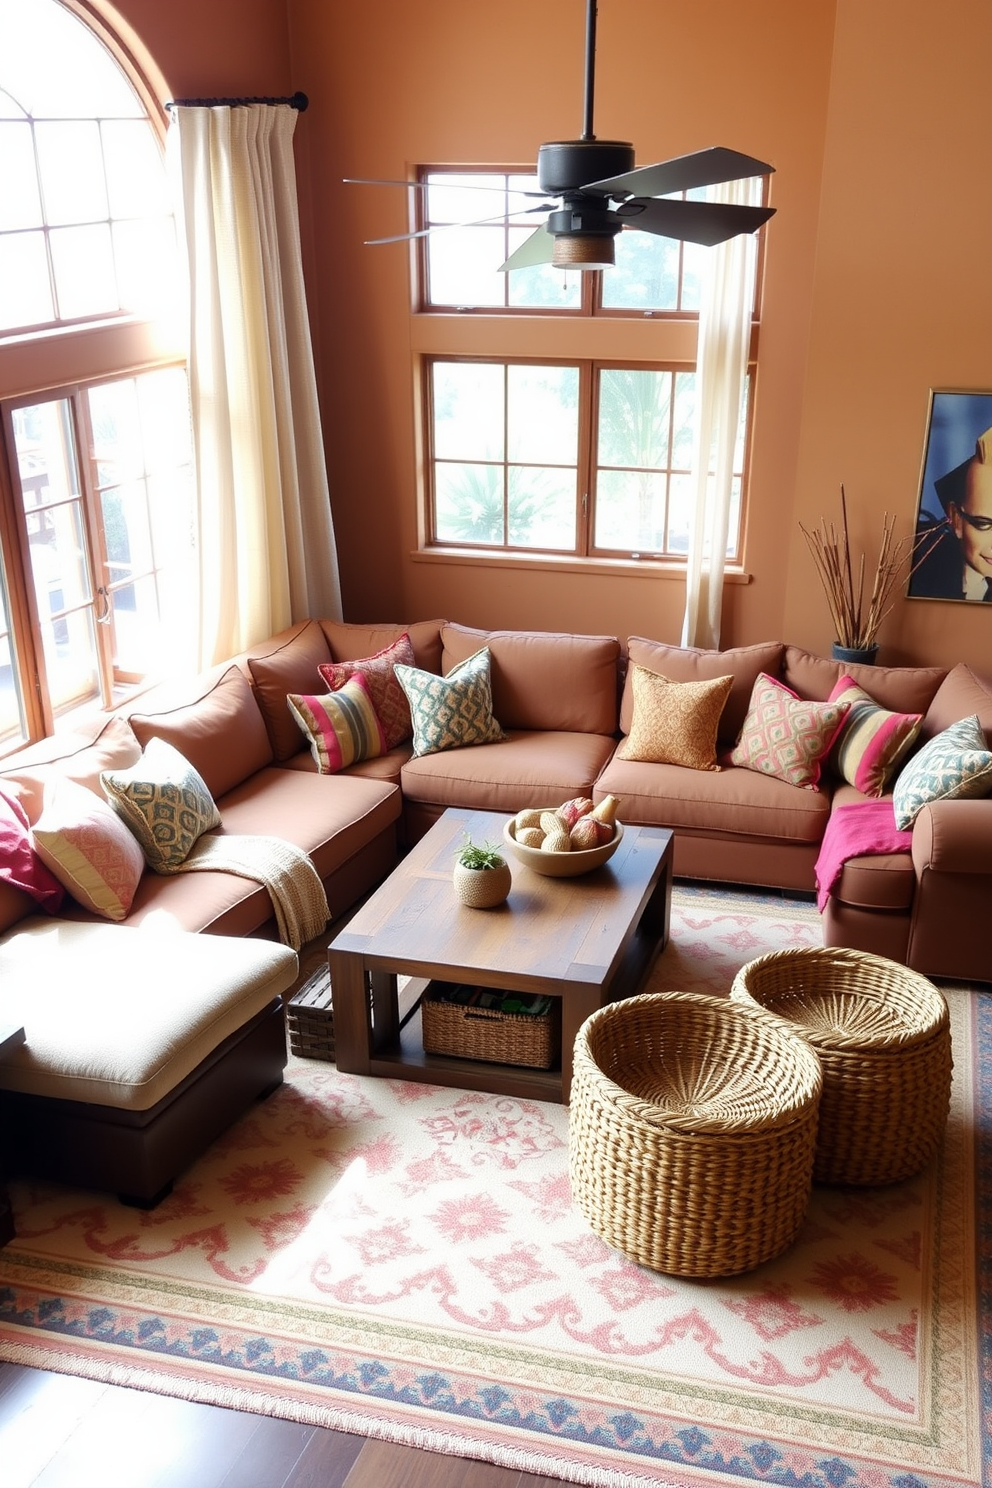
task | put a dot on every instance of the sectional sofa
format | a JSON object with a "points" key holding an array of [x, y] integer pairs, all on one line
{"points": [[566, 710]]}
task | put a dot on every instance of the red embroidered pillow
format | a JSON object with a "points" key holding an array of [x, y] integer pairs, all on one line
{"points": [[785, 735], [388, 698]]}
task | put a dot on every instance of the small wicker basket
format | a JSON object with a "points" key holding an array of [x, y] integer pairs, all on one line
{"points": [[310, 1018], [882, 1034], [692, 1128], [489, 1033]]}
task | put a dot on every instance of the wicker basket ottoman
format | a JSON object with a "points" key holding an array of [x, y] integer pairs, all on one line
{"points": [[882, 1033], [692, 1130]]}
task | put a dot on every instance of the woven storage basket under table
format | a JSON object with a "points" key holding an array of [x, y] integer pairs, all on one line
{"points": [[692, 1130], [882, 1034], [491, 1034]]}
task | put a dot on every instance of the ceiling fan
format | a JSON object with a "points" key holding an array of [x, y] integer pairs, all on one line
{"points": [[601, 192]]}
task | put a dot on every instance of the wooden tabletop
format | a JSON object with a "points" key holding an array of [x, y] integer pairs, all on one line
{"points": [[549, 931]]}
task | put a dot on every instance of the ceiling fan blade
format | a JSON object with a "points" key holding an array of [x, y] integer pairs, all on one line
{"points": [[423, 232], [435, 186], [536, 249], [703, 168], [691, 221]]}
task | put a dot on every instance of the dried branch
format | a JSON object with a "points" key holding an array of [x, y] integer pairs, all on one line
{"points": [[856, 626]]}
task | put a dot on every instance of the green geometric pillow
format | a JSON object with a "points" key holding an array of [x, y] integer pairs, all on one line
{"points": [[449, 712], [164, 801], [956, 765]]}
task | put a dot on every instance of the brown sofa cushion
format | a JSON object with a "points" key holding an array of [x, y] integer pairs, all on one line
{"points": [[689, 664], [350, 642], [288, 663], [542, 679], [961, 694], [103, 743], [221, 732], [900, 689], [734, 801], [524, 769]]}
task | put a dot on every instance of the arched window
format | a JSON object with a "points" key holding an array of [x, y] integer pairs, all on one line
{"points": [[96, 530]]}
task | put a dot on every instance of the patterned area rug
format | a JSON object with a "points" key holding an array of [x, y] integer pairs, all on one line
{"points": [[404, 1261]]}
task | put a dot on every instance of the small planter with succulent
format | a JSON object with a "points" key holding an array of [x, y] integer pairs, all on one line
{"points": [[481, 877]]}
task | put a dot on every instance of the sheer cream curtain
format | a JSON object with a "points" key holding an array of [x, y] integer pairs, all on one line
{"points": [[266, 538], [721, 366]]}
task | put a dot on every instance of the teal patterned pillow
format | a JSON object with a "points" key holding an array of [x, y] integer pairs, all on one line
{"points": [[164, 801], [449, 712], [955, 765]]}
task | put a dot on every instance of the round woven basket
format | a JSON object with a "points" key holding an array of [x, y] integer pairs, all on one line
{"points": [[882, 1034], [692, 1129], [482, 888]]}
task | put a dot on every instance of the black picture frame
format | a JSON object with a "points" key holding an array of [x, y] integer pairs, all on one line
{"points": [[954, 501]]}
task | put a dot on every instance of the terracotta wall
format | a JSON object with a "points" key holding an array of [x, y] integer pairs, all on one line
{"points": [[901, 300], [876, 276], [395, 83]]}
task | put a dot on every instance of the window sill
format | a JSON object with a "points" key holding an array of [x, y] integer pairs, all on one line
{"points": [[621, 568]]}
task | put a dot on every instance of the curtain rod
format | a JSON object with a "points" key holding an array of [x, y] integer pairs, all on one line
{"points": [[297, 101]]}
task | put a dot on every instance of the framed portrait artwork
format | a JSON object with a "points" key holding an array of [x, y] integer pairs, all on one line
{"points": [[952, 556]]}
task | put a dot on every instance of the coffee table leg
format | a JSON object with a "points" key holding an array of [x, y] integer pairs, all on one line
{"points": [[352, 1026], [577, 1004]]}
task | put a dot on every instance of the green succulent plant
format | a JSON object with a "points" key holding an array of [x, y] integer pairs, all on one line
{"points": [[480, 856]]}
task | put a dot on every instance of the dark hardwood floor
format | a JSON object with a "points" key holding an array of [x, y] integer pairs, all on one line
{"points": [[57, 1431]]}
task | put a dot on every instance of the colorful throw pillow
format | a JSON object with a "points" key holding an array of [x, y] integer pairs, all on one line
{"points": [[163, 800], [388, 698], [872, 741], [785, 735], [20, 865], [89, 849], [956, 765], [674, 723], [450, 712], [341, 727]]}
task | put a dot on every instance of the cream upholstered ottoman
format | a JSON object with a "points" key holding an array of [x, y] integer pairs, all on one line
{"points": [[140, 1048]]}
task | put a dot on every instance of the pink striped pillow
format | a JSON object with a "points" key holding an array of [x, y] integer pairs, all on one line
{"points": [[341, 727], [872, 742]]}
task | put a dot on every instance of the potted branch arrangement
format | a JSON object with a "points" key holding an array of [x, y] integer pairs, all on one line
{"points": [[481, 877], [857, 617]]}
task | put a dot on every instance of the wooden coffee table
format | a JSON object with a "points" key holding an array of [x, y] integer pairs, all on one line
{"points": [[587, 941]]}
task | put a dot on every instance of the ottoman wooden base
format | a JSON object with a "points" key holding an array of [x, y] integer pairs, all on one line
{"points": [[138, 1154]]}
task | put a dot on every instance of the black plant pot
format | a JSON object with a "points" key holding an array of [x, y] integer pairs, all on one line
{"points": [[855, 655]]}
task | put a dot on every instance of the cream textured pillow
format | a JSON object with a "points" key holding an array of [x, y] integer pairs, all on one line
{"points": [[674, 723], [162, 799], [89, 849]]}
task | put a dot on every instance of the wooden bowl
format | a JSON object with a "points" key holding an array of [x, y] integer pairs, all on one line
{"points": [[563, 864]]}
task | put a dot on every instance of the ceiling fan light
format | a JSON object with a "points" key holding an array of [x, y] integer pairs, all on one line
{"points": [[583, 251]]}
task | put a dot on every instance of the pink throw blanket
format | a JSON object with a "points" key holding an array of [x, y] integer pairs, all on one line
{"points": [[853, 831]]}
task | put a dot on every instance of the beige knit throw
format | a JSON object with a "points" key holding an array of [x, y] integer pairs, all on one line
{"points": [[294, 885]]}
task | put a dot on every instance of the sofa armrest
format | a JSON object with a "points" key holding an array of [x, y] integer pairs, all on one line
{"points": [[953, 837]]}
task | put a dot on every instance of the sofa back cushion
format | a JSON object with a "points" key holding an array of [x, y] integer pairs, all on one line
{"points": [[105, 742], [544, 680], [287, 663], [221, 732], [690, 664], [352, 642], [900, 689], [960, 695]]}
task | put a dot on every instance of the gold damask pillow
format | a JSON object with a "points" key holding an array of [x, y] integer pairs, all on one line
{"points": [[674, 723]]}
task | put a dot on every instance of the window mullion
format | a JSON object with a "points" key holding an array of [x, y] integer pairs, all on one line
{"points": [[99, 572], [586, 472]]}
